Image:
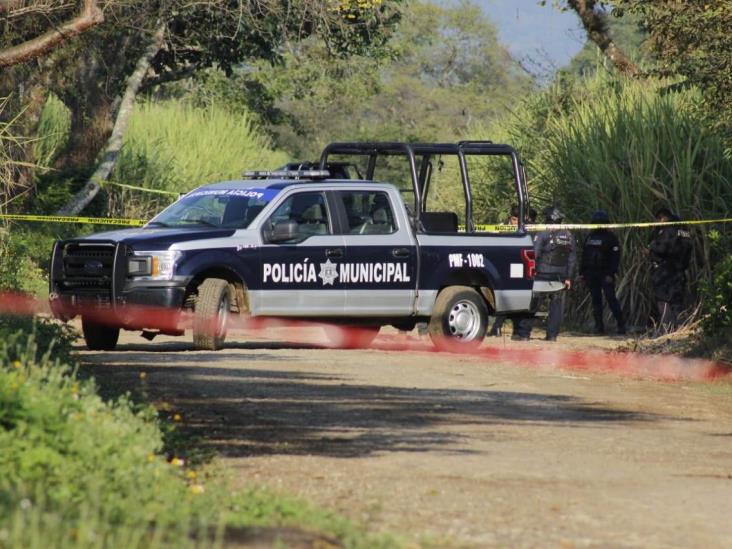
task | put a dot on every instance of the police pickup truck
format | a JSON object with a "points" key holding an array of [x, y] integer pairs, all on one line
{"points": [[346, 252]]}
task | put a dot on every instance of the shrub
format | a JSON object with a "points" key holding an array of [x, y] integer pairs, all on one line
{"points": [[627, 147], [76, 471], [717, 292]]}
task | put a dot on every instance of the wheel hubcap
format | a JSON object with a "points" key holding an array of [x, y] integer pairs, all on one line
{"points": [[222, 317], [464, 321]]}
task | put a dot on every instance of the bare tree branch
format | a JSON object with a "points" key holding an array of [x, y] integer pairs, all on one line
{"points": [[114, 145], [89, 17], [597, 31], [169, 76]]}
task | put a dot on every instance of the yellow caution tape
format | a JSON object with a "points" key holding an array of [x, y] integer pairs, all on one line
{"points": [[584, 226], [69, 219], [504, 228], [135, 188]]}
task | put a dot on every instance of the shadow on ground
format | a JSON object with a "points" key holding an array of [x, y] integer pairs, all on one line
{"points": [[251, 411]]}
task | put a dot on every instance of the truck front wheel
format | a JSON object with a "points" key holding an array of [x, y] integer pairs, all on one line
{"points": [[99, 337], [459, 319], [211, 314]]}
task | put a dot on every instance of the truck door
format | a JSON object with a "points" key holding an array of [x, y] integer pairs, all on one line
{"points": [[299, 276], [380, 269]]}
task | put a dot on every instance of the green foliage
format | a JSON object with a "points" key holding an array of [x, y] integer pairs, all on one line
{"points": [[626, 147], [18, 270], [717, 303], [627, 34], [76, 471], [691, 40], [54, 126], [13, 150], [47, 337], [174, 146], [443, 70]]}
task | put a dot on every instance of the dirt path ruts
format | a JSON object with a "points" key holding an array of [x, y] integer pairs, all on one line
{"points": [[453, 449]]}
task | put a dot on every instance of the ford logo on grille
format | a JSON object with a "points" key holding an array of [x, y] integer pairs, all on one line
{"points": [[93, 267]]}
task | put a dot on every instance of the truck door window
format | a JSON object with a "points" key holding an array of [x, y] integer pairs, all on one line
{"points": [[368, 212], [308, 210]]}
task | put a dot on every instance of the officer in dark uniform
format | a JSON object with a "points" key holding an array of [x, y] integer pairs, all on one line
{"points": [[497, 328], [521, 323], [556, 259], [599, 265], [670, 254]]}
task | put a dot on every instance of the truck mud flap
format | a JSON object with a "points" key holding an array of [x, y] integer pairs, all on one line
{"points": [[547, 286]]}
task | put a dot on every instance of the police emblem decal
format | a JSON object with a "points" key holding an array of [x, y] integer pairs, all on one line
{"points": [[328, 272]]}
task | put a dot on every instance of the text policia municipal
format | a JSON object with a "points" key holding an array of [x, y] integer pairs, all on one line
{"points": [[329, 272]]}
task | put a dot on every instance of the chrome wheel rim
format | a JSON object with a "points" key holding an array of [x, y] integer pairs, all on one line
{"points": [[463, 321], [222, 317]]}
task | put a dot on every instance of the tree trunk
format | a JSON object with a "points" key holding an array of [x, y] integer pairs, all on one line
{"points": [[82, 199], [89, 17], [597, 31]]}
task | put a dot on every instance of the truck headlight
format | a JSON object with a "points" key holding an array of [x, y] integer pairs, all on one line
{"points": [[154, 265]]}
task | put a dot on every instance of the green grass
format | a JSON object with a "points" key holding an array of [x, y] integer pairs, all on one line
{"points": [[53, 132], [78, 471], [175, 146], [627, 147]]}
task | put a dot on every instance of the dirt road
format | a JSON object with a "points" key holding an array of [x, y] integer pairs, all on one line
{"points": [[453, 449]]}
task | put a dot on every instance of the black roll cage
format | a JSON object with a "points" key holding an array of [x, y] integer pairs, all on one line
{"points": [[421, 177]]}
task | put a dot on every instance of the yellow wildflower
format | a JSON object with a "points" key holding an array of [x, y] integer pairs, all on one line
{"points": [[197, 488]]}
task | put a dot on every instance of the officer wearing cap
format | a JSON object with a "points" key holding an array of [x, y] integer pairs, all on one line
{"points": [[556, 258], [670, 254], [599, 265]]}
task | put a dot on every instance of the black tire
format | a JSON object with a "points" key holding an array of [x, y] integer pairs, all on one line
{"points": [[459, 319], [99, 337], [351, 337], [211, 314]]}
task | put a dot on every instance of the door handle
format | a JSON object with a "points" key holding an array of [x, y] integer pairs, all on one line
{"points": [[400, 252], [334, 252]]}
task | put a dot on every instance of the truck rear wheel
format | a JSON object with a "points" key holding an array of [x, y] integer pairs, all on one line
{"points": [[211, 314], [459, 319], [351, 337], [99, 337]]}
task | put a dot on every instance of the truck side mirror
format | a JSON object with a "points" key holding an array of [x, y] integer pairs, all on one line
{"points": [[284, 231]]}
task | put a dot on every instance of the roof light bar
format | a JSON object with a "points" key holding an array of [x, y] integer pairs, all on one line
{"points": [[288, 174]]}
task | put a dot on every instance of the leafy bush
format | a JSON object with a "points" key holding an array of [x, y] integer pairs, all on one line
{"points": [[626, 147], [49, 338], [717, 292], [76, 471], [18, 271]]}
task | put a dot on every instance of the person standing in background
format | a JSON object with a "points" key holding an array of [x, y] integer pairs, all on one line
{"points": [[497, 328], [556, 260], [670, 254], [599, 265]]}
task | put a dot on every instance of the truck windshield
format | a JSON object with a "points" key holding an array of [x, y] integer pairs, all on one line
{"points": [[219, 208]]}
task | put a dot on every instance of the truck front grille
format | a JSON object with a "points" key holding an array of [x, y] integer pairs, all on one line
{"points": [[87, 267]]}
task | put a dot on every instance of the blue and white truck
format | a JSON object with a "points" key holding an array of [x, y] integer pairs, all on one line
{"points": [[301, 244]]}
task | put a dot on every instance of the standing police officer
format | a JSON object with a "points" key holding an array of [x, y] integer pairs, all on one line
{"points": [[599, 265], [670, 254], [556, 258]]}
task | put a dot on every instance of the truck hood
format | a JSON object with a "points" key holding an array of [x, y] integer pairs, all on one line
{"points": [[160, 238]]}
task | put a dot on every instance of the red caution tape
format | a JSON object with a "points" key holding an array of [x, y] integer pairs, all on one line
{"points": [[547, 357]]}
